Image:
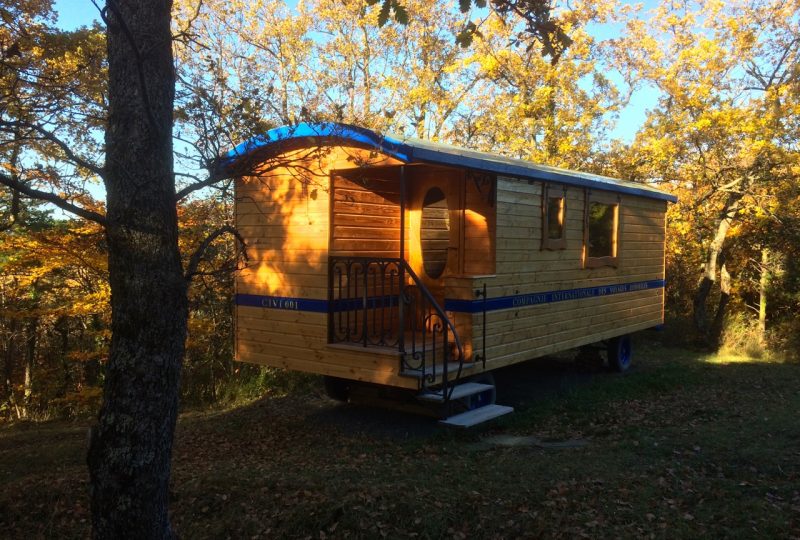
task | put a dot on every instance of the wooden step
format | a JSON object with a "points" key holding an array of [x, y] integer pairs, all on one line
{"points": [[452, 367], [460, 391], [476, 416]]}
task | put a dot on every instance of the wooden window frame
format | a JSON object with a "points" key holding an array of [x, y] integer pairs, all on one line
{"points": [[553, 192], [605, 261]]}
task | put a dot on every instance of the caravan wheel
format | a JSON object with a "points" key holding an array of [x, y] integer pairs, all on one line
{"points": [[620, 353]]}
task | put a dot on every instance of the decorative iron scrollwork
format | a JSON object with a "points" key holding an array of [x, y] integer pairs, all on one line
{"points": [[381, 302]]}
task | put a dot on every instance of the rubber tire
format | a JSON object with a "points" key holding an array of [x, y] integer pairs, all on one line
{"points": [[485, 378], [336, 388], [620, 353]]}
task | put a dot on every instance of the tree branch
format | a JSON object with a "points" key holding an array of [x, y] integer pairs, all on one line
{"points": [[13, 213], [197, 256], [211, 180], [71, 155], [52, 198], [189, 23], [247, 165]]}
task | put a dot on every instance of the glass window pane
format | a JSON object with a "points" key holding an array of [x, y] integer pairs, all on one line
{"points": [[555, 218], [601, 230], [434, 233]]}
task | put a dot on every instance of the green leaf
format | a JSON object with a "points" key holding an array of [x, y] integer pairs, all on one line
{"points": [[464, 5], [383, 17], [400, 13], [464, 38]]}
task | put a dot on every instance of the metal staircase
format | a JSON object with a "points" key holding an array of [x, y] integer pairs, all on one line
{"points": [[478, 400], [381, 302]]}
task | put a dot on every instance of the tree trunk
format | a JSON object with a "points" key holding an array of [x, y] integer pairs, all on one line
{"points": [[724, 297], [91, 368], [8, 365], [550, 121], [131, 445], [709, 276], [762, 296], [62, 327], [30, 356]]}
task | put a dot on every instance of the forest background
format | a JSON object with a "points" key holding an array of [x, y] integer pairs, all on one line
{"points": [[723, 79]]}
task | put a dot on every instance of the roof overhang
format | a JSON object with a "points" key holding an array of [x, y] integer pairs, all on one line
{"points": [[419, 151]]}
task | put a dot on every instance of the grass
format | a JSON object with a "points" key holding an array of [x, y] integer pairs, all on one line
{"points": [[683, 446]]}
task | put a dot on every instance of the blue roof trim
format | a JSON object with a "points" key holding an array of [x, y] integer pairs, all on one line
{"points": [[416, 151], [323, 130]]}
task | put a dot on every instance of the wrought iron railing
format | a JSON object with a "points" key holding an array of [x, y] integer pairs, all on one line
{"points": [[365, 307], [381, 302]]}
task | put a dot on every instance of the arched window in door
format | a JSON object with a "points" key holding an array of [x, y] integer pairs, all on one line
{"points": [[434, 233]]}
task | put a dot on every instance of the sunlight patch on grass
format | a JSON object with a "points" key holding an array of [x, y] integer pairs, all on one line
{"points": [[728, 358]]}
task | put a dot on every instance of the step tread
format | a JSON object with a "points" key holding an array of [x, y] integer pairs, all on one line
{"points": [[459, 391], [477, 416]]}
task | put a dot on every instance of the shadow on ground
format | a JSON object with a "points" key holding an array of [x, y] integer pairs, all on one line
{"points": [[520, 386]]}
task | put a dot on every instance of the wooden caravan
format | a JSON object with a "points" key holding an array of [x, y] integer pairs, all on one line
{"points": [[422, 266]]}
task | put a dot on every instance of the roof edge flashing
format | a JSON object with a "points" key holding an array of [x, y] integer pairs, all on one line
{"points": [[412, 150], [316, 132]]}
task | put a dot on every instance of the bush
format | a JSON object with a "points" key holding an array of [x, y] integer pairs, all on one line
{"points": [[249, 382], [785, 339], [741, 337]]}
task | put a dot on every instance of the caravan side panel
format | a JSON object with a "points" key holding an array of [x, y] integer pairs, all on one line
{"points": [[552, 301]]}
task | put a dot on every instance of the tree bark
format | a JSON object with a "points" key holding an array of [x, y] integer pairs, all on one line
{"points": [[131, 444], [31, 330], [62, 327], [724, 298], [8, 365], [709, 276], [92, 368], [550, 137], [763, 282]]}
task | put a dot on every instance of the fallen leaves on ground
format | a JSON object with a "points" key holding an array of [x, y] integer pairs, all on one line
{"points": [[708, 451]]}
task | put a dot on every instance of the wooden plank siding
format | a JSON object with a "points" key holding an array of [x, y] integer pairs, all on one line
{"points": [[480, 226], [525, 332], [365, 213], [303, 206], [284, 216]]}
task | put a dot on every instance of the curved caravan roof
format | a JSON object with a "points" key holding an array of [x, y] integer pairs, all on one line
{"points": [[411, 150]]}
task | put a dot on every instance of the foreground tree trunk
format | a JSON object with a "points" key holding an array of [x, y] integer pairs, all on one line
{"points": [[131, 445]]}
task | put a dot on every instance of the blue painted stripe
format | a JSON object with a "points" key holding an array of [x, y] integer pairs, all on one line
{"points": [[282, 302], [460, 306], [312, 304], [549, 297]]}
